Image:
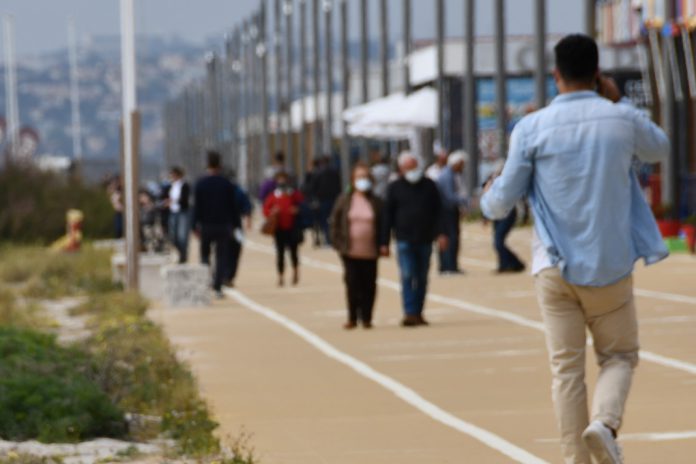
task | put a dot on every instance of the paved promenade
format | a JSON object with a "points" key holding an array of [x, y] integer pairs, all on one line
{"points": [[474, 387]]}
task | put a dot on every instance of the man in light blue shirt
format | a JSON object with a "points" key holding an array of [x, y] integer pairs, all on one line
{"points": [[574, 160]]}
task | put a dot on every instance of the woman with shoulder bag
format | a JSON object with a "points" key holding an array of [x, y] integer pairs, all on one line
{"points": [[355, 223], [281, 209]]}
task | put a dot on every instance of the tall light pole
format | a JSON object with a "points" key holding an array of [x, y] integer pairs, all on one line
{"points": [[316, 81], [11, 100], [328, 58], [280, 102], [540, 45], [406, 26], [364, 64], [74, 92], [345, 82], [384, 45], [289, 93], [303, 89], [131, 141], [589, 13], [440, 37], [262, 52], [501, 77], [470, 98]]}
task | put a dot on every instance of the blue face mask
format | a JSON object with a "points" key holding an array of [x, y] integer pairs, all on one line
{"points": [[414, 176], [363, 185]]}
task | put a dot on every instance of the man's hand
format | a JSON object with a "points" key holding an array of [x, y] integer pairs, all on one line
{"points": [[384, 251], [442, 242], [607, 88]]}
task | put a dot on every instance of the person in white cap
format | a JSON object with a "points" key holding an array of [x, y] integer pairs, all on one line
{"points": [[454, 200]]}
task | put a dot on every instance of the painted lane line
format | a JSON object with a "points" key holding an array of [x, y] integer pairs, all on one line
{"points": [[665, 296], [649, 356], [649, 437], [403, 392]]}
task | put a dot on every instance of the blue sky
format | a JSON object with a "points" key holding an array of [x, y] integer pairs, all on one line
{"points": [[41, 24]]}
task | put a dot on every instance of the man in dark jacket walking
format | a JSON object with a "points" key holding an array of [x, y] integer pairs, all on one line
{"points": [[215, 216], [414, 213]]}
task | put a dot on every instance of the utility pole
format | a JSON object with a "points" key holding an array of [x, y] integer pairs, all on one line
{"points": [[540, 45], [303, 90], [280, 103], [364, 65], [406, 6], [328, 57], [384, 45], [345, 81], [131, 136], [11, 100], [243, 169], [316, 73], [670, 167], [501, 77], [289, 94], [262, 52], [471, 98], [74, 92], [590, 17], [440, 34]]}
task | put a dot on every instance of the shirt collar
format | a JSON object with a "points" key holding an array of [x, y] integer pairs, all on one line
{"points": [[572, 96]]}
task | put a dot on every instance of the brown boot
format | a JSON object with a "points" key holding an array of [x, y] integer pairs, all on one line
{"points": [[411, 321], [295, 276], [281, 281], [350, 325]]}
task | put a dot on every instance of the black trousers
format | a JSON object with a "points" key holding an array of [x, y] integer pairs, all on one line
{"points": [[360, 276], [218, 236], [507, 260], [233, 263], [286, 240]]}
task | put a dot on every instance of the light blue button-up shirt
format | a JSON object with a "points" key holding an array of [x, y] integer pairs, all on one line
{"points": [[574, 159]]}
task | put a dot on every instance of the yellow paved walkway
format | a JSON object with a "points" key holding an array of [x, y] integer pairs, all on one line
{"points": [[472, 388]]}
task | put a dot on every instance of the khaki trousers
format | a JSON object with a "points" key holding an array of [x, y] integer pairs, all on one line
{"points": [[610, 315]]}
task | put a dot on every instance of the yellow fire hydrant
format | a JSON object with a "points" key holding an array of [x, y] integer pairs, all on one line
{"points": [[72, 240]]}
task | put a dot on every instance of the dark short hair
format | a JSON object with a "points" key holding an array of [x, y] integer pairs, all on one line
{"points": [[279, 157], [577, 58], [214, 159], [177, 171]]}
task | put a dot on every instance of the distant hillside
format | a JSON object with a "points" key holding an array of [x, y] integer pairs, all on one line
{"points": [[164, 66]]}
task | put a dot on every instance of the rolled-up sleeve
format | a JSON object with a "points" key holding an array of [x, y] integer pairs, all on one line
{"points": [[513, 183]]}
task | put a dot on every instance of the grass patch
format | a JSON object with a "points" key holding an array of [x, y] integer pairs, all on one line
{"points": [[54, 393], [46, 392], [139, 371], [48, 275]]}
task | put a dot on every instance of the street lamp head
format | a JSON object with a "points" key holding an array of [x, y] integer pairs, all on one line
{"points": [[287, 7]]}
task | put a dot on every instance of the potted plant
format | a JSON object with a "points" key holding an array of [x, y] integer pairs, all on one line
{"points": [[688, 229], [669, 227]]}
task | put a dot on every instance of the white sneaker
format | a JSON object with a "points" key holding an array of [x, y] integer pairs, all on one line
{"points": [[600, 440]]}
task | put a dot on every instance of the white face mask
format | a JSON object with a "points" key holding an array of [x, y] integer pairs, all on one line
{"points": [[363, 185], [414, 175]]}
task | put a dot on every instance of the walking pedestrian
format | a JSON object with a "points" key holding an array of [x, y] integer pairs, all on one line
{"points": [[308, 190], [283, 207], [178, 204], [245, 208], [355, 222], [380, 172], [413, 212], [575, 160], [454, 200], [434, 170], [327, 187], [214, 218]]}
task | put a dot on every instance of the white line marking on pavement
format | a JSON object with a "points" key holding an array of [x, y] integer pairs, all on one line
{"points": [[662, 436], [664, 361], [665, 296], [400, 390]]}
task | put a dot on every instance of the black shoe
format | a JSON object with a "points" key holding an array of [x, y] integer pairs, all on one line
{"points": [[512, 269]]}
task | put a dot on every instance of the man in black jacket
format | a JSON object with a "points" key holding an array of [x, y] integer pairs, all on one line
{"points": [[178, 206], [214, 218], [414, 212]]}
